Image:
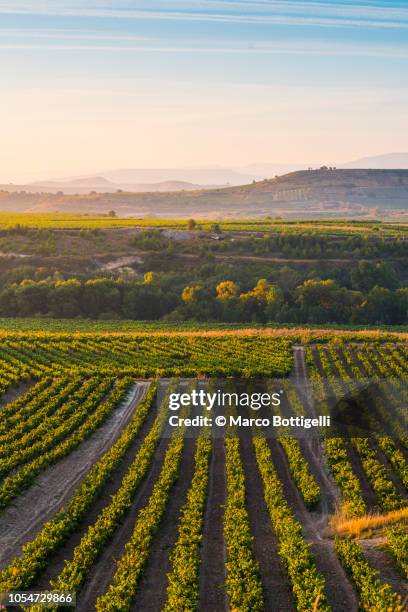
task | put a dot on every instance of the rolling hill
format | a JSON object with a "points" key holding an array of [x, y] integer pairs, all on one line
{"points": [[390, 161], [324, 192], [99, 184]]}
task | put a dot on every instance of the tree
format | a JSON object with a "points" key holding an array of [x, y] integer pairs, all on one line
{"points": [[149, 278], [112, 213], [274, 303], [367, 275], [101, 295], [263, 302], [262, 292], [227, 290], [191, 224], [380, 306], [318, 293], [288, 278], [324, 300], [66, 298], [32, 298], [191, 293], [146, 302]]}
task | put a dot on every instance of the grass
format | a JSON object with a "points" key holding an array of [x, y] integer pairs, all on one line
{"points": [[364, 525]]}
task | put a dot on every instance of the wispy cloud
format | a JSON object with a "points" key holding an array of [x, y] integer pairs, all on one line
{"points": [[258, 12], [61, 34], [79, 41]]}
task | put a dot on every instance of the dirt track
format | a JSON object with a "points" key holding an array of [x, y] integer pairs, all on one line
{"points": [[315, 523], [51, 490]]}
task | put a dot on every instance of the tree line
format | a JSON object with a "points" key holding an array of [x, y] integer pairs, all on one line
{"points": [[374, 297]]}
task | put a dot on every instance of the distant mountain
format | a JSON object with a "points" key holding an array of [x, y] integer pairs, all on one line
{"points": [[166, 186], [389, 161], [264, 170], [102, 185], [139, 180], [88, 182], [308, 193], [197, 176]]}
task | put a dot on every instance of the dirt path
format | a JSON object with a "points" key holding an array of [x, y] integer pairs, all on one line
{"points": [[312, 447], [56, 562], [53, 488], [369, 497], [212, 573], [275, 582], [315, 523]]}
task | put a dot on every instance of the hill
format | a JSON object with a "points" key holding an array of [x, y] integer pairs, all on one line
{"points": [[99, 184], [199, 176], [316, 193], [390, 161]]}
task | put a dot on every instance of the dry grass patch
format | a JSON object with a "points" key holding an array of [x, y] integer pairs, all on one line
{"points": [[364, 525]]}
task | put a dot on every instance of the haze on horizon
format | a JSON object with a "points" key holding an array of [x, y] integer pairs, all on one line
{"points": [[95, 85]]}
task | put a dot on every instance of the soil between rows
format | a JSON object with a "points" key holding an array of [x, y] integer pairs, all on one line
{"points": [[56, 561], [104, 568], [381, 559], [275, 582], [16, 391], [151, 594], [213, 555]]}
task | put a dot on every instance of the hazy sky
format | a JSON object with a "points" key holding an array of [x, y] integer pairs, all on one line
{"points": [[100, 84]]}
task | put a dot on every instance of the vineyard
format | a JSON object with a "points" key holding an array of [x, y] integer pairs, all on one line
{"points": [[95, 500], [13, 220]]}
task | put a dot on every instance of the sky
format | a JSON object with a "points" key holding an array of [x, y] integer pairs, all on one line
{"points": [[93, 85]]}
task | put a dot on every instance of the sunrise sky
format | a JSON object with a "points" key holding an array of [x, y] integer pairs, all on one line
{"points": [[93, 85]]}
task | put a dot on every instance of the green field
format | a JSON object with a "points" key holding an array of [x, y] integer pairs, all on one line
{"points": [[76, 221], [48, 325]]}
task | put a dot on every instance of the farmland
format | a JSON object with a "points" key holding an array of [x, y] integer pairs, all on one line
{"points": [[94, 499], [9, 220], [225, 272]]}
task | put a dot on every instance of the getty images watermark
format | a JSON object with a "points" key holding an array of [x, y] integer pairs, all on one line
{"points": [[209, 406], [277, 407]]}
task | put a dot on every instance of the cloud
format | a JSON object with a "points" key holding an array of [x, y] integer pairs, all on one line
{"points": [[288, 13], [115, 43], [93, 40]]}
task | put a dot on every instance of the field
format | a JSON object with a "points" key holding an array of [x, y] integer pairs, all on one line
{"points": [[42, 325], [95, 500], [251, 273], [88, 221]]}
